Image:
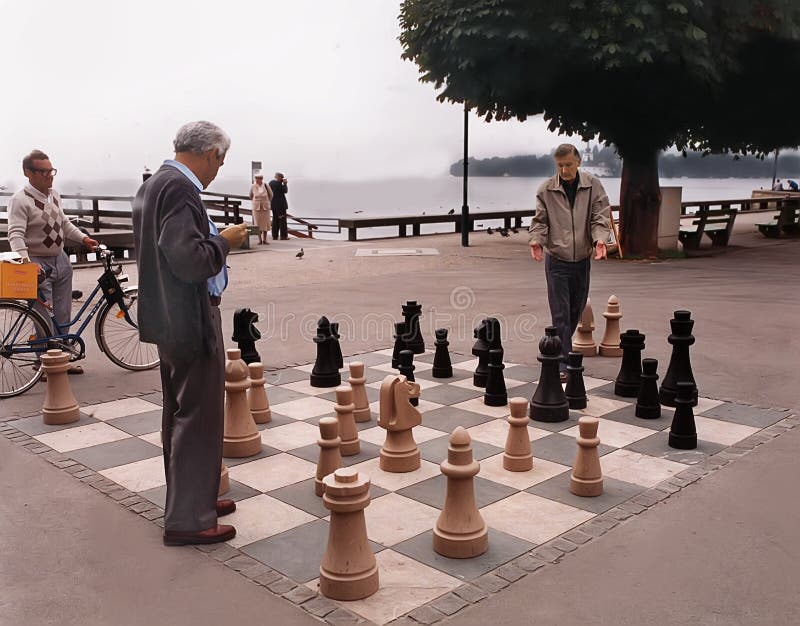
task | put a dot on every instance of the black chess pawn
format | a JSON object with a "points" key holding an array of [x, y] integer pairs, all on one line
{"points": [[629, 378], [549, 404], [442, 366], [245, 334], [496, 394], [325, 372], [647, 405], [683, 432], [337, 347], [407, 369], [413, 338], [680, 365], [575, 391], [399, 343]]}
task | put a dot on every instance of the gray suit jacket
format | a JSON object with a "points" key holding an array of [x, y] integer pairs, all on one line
{"points": [[175, 256]]}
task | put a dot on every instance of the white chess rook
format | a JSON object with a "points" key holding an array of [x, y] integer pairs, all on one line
{"points": [[357, 381], [59, 406], [517, 456], [587, 477]]}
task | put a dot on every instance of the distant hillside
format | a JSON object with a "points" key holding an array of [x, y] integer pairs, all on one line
{"points": [[605, 162]]}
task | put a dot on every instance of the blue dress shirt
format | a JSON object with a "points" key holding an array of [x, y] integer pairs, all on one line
{"points": [[218, 283]]}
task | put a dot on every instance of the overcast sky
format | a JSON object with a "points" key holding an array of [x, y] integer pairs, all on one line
{"points": [[316, 89]]}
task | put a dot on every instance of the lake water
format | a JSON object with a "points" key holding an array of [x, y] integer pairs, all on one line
{"points": [[332, 199]]}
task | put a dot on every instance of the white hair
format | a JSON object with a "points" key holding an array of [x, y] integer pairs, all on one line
{"points": [[200, 137]]}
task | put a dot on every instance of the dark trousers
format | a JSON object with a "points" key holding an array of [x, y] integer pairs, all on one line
{"points": [[567, 291], [279, 224], [192, 429]]}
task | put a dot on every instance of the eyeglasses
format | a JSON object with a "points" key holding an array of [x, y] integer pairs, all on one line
{"points": [[51, 172]]}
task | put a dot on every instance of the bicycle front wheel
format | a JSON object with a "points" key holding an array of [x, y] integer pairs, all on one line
{"points": [[120, 340], [20, 359]]}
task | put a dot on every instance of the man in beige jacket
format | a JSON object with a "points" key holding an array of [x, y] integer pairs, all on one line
{"points": [[572, 220]]}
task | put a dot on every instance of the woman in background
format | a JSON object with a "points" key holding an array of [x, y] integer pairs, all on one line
{"points": [[261, 197]]}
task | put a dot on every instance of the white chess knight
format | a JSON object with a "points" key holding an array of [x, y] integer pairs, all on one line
{"points": [[398, 416]]}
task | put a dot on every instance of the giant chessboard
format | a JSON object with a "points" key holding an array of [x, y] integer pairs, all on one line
{"points": [[283, 524]]}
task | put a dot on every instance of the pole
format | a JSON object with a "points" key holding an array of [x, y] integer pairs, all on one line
{"points": [[775, 170], [465, 206]]}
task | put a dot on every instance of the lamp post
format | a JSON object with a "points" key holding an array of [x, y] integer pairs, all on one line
{"points": [[465, 205]]}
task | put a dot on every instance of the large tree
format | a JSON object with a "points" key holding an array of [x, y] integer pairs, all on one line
{"points": [[644, 75]]}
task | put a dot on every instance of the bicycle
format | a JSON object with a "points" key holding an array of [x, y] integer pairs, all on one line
{"points": [[27, 330]]}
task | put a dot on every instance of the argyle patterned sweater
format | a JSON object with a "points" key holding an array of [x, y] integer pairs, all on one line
{"points": [[37, 225]]}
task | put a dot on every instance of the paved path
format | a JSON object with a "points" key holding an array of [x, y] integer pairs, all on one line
{"points": [[720, 552]]}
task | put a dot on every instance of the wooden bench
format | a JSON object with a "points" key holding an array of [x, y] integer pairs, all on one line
{"points": [[787, 220], [352, 224], [716, 223]]}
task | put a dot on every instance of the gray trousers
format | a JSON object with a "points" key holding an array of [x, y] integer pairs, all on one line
{"points": [[192, 429], [56, 291], [567, 291]]}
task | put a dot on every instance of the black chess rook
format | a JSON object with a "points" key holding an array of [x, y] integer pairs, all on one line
{"points": [[629, 378], [683, 432], [399, 343], [549, 404], [680, 365], [575, 390], [647, 404]]}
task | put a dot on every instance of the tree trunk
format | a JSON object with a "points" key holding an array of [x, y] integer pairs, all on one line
{"points": [[639, 204]]}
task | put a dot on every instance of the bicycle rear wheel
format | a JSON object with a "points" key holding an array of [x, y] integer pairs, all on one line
{"points": [[120, 341], [20, 364]]}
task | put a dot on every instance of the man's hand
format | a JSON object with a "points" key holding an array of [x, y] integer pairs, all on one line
{"points": [[90, 243], [536, 252], [600, 251], [235, 235]]}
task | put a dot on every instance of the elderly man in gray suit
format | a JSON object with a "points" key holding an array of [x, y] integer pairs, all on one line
{"points": [[181, 256]]}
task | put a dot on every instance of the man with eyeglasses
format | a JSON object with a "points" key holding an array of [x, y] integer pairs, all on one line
{"points": [[38, 230]]}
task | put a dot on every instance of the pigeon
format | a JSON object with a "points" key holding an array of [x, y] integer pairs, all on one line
{"points": [[489, 231], [358, 211], [300, 254], [77, 294], [451, 211], [503, 232], [514, 230]]}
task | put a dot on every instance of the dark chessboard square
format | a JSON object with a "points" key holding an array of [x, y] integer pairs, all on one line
{"points": [[279, 395], [657, 445], [502, 549], [311, 453], [435, 450], [447, 418], [281, 377], [627, 415], [457, 376], [35, 426], [359, 425], [296, 553], [302, 496], [368, 359], [522, 391], [557, 427], [265, 452], [154, 398], [432, 491], [561, 449], [450, 394], [530, 374], [138, 423], [606, 391], [276, 419], [372, 394], [745, 415], [115, 453], [614, 492], [454, 358]]}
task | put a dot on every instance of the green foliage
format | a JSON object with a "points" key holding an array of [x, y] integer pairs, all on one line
{"points": [[641, 74]]}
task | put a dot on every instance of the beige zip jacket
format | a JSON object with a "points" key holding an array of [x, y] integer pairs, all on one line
{"points": [[568, 233]]}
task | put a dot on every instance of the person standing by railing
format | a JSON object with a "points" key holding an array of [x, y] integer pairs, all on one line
{"points": [[261, 198], [280, 188], [38, 230]]}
